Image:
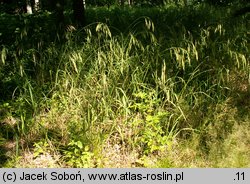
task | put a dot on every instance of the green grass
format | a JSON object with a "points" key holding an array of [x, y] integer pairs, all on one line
{"points": [[148, 88]]}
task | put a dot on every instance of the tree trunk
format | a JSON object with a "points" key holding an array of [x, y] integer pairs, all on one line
{"points": [[28, 7], [36, 5], [84, 4], [79, 12], [130, 2]]}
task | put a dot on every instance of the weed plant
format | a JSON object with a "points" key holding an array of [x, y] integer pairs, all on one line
{"points": [[142, 88]]}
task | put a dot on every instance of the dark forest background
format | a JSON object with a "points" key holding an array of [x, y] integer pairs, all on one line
{"points": [[124, 83]]}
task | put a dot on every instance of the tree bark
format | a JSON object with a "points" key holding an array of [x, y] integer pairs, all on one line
{"points": [[28, 7], [130, 2], [36, 5]]}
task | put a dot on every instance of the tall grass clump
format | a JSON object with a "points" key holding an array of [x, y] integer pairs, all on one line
{"points": [[154, 95]]}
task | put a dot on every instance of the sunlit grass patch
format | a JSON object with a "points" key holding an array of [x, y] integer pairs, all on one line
{"points": [[149, 96]]}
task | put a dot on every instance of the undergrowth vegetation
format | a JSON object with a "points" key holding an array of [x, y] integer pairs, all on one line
{"points": [[136, 88]]}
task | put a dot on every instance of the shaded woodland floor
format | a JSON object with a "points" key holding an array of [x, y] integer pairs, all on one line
{"points": [[136, 87]]}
